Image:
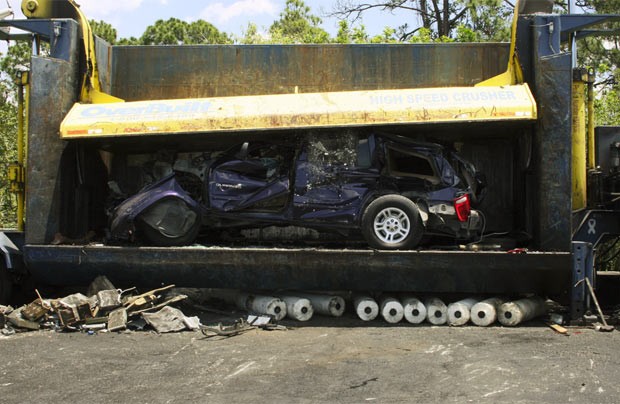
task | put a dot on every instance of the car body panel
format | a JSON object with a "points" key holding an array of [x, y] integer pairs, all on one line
{"points": [[122, 223]]}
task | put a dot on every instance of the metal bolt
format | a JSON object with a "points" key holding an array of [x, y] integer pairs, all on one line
{"points": [[32, 5]]}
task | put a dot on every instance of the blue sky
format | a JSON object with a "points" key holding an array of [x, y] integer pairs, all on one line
{"points": [[131, 17]]}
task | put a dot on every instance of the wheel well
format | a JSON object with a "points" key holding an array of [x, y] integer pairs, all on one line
{"points": [[421, 204]]}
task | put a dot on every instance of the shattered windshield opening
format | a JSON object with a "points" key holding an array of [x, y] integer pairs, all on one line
{"points": [[328, 152]]}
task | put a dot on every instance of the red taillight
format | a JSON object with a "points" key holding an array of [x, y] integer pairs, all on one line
{"points": [[462, 207]]}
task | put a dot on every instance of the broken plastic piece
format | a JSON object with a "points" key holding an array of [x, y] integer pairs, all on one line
{"points": [[168, 319]]}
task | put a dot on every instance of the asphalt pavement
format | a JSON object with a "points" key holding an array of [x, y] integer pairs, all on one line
{"points": [[324, 361]]}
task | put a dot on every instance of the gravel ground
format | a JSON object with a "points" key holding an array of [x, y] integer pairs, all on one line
{"points": [[335, 361]]}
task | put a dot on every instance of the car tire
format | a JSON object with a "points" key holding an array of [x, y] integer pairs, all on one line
{"points": [[392, 222], [156, 237]]}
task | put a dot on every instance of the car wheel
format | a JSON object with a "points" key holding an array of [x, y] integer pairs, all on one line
{"points": [[169, 222], [392, 222]]}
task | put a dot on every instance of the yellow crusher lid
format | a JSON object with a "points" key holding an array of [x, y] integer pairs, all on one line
{"points": [[298, 111]]}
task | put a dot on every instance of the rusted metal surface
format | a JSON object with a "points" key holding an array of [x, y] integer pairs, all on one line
{"points": [[552, 145], [168, 72], [53, 92], [322, 269]]}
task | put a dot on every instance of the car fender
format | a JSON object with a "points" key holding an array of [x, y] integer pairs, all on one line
{"points": [[122, 219]]}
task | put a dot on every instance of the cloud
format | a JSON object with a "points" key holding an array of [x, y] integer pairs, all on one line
{"points": [[97, 9], [221, 13]]}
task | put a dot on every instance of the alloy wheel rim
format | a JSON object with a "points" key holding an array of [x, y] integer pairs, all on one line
{"points": [[392, 225]]}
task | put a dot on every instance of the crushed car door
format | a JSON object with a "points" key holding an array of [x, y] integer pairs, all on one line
{"points": [[333, 175], [255, 178]]}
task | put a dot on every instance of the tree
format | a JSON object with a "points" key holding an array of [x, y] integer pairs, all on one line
{"points": [[602, 53], [297, 25], [17, 59], [251, 35], [177, 32], [8, 150], [440, 18], [104, 31]]}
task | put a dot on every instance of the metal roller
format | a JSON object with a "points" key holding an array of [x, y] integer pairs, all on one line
{"points": [[414, 310], [514, 313], [326, 305], [459, 312], [436, 311], [269, 305], [484, 313], [366, 308], [298, 308], [391, 310]]}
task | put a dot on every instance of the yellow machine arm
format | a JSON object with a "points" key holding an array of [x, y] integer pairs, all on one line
{"points": [[514, 74], [91, 87]]}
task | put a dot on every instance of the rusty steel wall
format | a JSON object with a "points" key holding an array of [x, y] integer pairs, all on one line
{"points": [[53, 90], [160, 72]]}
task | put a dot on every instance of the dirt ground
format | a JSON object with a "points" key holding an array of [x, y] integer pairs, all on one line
{"points": [[325, 360]]}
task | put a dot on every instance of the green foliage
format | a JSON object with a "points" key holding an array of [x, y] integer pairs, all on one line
{"points": [[347, 35], [466, 34], [423, 35], [387, 36], [344, 34], [602, 53], [8, 151], [441, 20], [297, 25], [129, 41], [607, 108], [251, 35], [17, 59], [177, 32], [486, 20], [104, 31]]}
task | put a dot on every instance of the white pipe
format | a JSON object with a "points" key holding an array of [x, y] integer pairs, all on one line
{"points": [[298, 308], [436, 311], [366, 308], [414, 310], [459, 312], [391, 310], [514, 313], [269, 305], [484, 313], [326, 305], [4, 13]]}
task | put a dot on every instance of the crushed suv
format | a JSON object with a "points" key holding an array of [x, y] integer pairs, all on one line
{"points": [[392, 189]]}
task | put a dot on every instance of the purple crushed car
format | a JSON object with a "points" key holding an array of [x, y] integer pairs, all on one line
{"points": [[391, 189]]}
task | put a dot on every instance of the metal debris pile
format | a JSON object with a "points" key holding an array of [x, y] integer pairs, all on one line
{"points": [[104, 309]]}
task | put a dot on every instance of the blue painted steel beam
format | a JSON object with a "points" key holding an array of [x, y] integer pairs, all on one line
{"points": [[306, 268], [577, 22], [56, 32]]}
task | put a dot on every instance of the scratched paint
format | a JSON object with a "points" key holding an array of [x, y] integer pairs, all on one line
{"points": [[294, 111]]}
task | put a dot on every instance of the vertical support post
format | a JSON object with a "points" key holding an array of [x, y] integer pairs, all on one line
{"points": [[579, 139], [552, 139], [53, 87], [583, 267], [591, 121], [22, 98]]}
